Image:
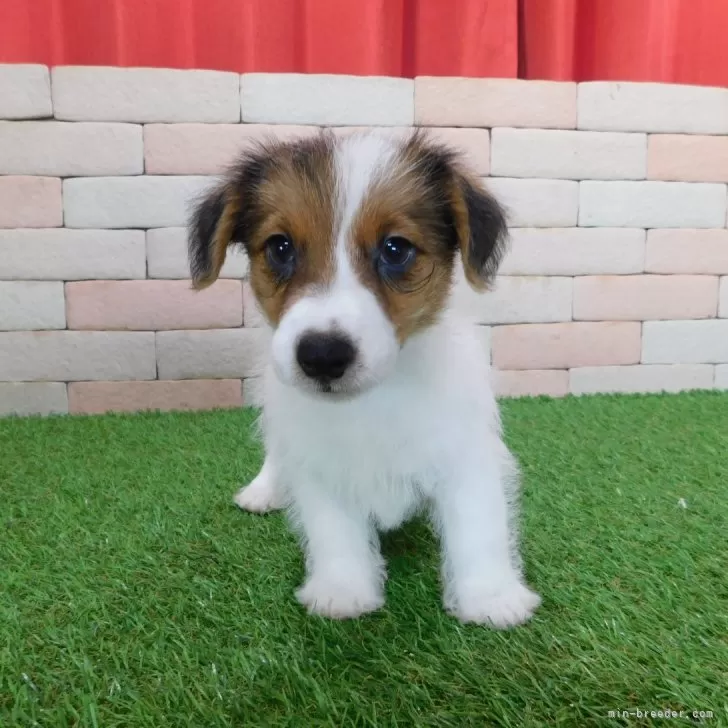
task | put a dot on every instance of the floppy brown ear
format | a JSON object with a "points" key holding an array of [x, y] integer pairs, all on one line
{"points": [[480, 225], [211, 229]]}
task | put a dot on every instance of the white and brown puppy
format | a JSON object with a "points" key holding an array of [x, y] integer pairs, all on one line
{"points": [[377, 400]]}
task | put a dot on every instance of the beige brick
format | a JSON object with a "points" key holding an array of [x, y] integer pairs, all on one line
{"points": [[564, 154], [652, 107], [515, 299], [25, 91], [76, 355], [252, 313], [566, 345], [537, 202], [685, 342], [494, 102], [57, 148], [33, 398], [574, 251], [472, 144], [293, 98], [30, 202], [87, 93], [221, 353], [652, 204], [641, 378], [167, 256], [531, 383], [131, 202], [66, 255], [642, 298], [29, 305], [687, 251], [207, 148], [721, 376], [198, 394], [688, 158], [723, 304], [253, 392], [153, 305]]}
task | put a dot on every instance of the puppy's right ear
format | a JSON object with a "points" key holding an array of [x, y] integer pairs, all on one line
{"points": [[212, 228]]}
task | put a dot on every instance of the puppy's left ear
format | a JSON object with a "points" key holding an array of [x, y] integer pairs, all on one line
{"points": [[211, 229], [480, 225]]}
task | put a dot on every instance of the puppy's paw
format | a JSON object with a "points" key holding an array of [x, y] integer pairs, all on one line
{"points": [[339, 598], [261, 496], [507, 606]]}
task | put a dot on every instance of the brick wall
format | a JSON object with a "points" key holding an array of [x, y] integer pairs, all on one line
{"points": [[617, 279]]}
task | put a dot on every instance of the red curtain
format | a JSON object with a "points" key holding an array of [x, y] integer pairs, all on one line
{"points": [[679, 41], [671, 41]]}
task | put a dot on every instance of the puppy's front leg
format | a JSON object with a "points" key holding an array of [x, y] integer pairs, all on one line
{"points": [[344, 570], [263, 494], [483, 583]]}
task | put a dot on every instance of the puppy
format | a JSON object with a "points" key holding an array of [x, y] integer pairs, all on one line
{"points": [[377, 400]]}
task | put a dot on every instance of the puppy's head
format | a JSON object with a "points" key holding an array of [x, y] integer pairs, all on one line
{"points": [[352, 244]]}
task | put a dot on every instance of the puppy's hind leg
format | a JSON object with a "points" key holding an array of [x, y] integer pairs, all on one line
{"points": [[263, 494]]}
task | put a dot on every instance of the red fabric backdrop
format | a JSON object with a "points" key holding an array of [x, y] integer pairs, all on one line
{"points": [[679, 41]]}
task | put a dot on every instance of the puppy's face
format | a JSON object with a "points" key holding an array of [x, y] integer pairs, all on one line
{"points": [[352, 245]]}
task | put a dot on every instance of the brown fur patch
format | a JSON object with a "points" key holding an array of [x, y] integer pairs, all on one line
{"points": [[296, 198], [412, 202]]}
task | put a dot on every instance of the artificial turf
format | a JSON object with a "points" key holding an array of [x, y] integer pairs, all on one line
{"points": [[133, 593]]}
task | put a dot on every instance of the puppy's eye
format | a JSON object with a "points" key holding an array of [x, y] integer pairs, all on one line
{"points": [[396, 256], [281, 255]]}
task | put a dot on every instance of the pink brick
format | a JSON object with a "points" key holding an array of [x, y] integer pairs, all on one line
{"points": [[152, 305], [687, 158], [644, 298], [566, 345], [198, 394], [532, 383], [723, 303], [30, 202], [206, 148], [687, 251], [473, 144], [494, 102]]}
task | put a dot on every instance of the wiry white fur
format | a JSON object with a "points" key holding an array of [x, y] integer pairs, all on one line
{"points": [[422, 431]]}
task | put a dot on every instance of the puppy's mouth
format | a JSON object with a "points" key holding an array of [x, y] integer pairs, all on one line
{"points": [[334, 391]]}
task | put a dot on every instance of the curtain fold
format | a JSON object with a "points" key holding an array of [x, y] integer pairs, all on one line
{"points": [[677, 41]]}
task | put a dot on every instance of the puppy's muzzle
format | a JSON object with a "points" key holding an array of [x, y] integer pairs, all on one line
{"points": [[325, 357]]}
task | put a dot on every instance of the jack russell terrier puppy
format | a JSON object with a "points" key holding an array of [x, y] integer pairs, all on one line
{"points": [[377, 400]]}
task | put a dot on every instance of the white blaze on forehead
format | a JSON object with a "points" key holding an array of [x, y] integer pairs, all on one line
{"points": [[361, 160], [347, 306]]}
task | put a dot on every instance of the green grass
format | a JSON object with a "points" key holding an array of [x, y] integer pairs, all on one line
{"points": [[133, 593]]}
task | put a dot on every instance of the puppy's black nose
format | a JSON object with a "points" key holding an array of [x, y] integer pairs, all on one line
{"points": [[325, 356]]}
